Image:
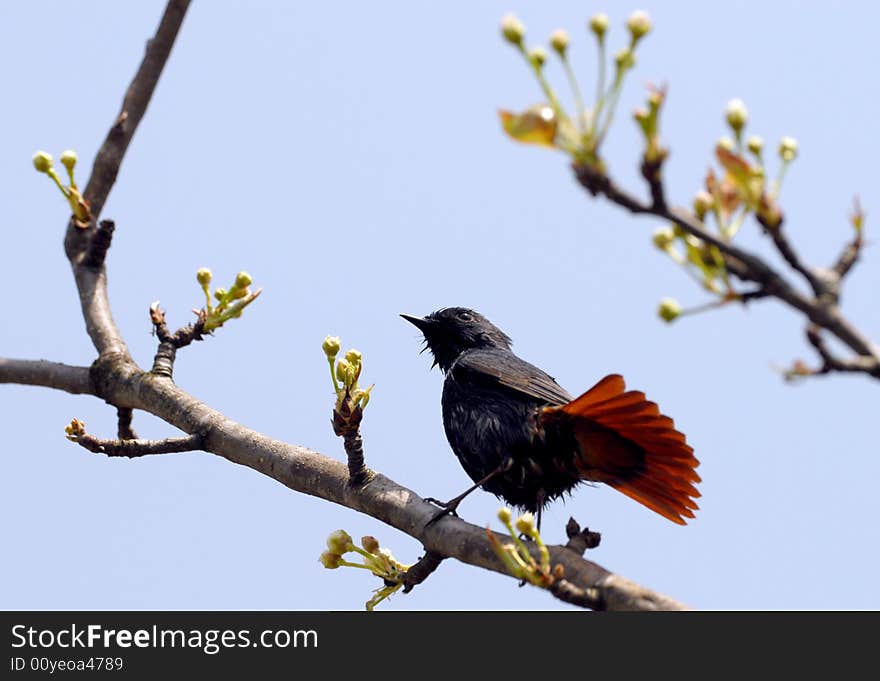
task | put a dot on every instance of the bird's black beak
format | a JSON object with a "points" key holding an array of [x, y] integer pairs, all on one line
{"points": [[419, 322]]}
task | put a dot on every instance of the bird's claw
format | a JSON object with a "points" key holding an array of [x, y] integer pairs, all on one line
{"points": [[446, 508]]}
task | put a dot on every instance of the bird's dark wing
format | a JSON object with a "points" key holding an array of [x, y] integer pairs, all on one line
{"points": [[502, 366]]}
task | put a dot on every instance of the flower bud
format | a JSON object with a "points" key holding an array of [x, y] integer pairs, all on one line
{"points": [[220, 293], [639, 25], [512, 29], [643, 117], [599, 25], [339, 542], [68, 160], [669, 309], [354, 356], [625, 59], [203, 276], [370, 544], [788, 149], [736, 115], [526, 524], [344, 371], [559, 41], [664, 237], [726, 143], [75, 428], [42, 162], [703, 202], [330, 560], [243, 280], [331, 346], [755, 145], [538, 56], [505, 515]]}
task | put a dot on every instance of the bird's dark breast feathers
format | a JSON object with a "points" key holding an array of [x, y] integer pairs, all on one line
{"points": [[485, 423]]}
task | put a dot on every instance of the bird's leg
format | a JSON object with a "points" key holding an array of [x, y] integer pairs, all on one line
{"points": [[449, 507], [542, 496]]}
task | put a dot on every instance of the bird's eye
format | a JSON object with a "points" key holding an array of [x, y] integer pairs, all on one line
{"points": [[465, 316]]}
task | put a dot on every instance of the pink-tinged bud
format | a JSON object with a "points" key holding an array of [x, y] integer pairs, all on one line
{"points": [[736, 114], [512, 29], [330, 560], [559, 41], [639, 25], [599, 25], [788, 149]]}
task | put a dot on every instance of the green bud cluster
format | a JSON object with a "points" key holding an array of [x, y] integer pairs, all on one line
{"points": [[230, 302], [579, 135], [43, 163], [516, 556], [375, 558]]}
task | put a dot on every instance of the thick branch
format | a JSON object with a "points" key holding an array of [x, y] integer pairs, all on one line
{"points": [[307, 471], [71, 379], [118, 381]]}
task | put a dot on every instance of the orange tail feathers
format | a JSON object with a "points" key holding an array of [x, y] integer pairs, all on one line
{"points": [[628, 444]]}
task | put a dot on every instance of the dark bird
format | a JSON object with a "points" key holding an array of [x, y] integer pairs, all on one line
{"points": [[522, 437]]}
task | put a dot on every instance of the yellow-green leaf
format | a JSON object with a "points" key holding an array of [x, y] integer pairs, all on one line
{"points": [[536, 125]]}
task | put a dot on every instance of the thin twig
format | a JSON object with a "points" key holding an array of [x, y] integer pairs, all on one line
{"points": [[124, 431], [585, 598], [169, 343], [136, 448], [100, 244], [830, 362], [848, 257], [580, 540], [786, 250], [421, 570]]}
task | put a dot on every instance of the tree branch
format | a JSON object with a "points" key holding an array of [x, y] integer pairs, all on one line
{"points": [[84, 246], [830, 362], [134, 105], [822, 311], [115, 378], [135, 448], [71, 379]]}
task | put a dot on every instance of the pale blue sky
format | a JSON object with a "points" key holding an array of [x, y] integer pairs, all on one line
{"points": [[349, 156]]}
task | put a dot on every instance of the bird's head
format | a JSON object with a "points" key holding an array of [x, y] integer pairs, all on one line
{"points": [[452, 330]]}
